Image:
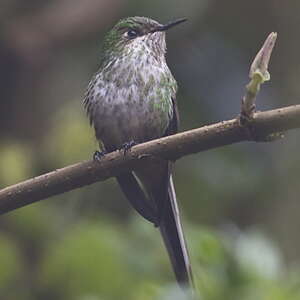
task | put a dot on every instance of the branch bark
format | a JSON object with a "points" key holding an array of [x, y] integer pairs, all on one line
{"points": [[172, 147]]}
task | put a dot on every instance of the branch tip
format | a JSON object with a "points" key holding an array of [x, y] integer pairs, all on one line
{"points": [[260, 63], [258, 74]]}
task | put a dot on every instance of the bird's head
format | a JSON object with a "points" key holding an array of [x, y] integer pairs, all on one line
{"points": [[136, 35]]}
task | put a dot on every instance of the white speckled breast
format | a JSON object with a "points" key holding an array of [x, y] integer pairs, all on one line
{"points": [[130, 99]]}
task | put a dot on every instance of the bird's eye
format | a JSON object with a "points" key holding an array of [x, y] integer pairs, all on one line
{"points": [[131, 34]]}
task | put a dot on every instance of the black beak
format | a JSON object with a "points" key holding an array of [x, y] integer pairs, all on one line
{"points": [[169, 25]]}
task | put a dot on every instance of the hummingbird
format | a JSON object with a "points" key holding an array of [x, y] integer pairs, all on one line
{"points": [[132, 99]]}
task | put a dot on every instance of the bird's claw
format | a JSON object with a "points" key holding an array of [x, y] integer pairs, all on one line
{"points": [[98, 155], [127, 146]]}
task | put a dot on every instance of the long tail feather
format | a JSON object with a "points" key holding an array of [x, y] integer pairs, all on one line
{"points": [[172, 233]]}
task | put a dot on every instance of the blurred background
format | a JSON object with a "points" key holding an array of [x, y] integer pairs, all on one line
{"points": [[240, 203]]}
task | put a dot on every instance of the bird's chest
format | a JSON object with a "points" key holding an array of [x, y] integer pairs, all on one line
{"points": [[133, 104]]}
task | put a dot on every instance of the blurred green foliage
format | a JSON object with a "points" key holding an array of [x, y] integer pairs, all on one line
{"points": [[240, 204], [95, 259]]}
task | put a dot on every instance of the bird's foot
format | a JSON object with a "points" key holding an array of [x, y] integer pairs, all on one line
{"points": [[98, 155], [127, 146]]}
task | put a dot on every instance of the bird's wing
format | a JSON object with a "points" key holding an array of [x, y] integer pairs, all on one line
{"points": [[132, 189]]}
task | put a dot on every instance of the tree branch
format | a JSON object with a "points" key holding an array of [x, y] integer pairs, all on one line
{"points": [[171, 147], [250, 125]]}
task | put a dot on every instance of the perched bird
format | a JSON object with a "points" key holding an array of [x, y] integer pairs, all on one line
{"points": [[132, 99]]}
